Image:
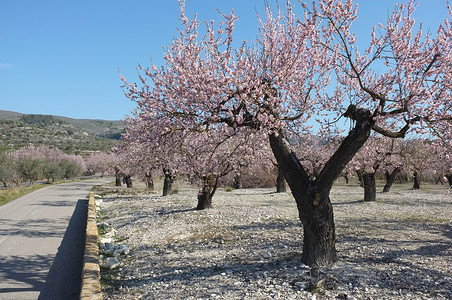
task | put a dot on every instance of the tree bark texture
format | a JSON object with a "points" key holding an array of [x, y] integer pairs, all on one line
{"points": [[417, 181], [280, 182], [390, 179], [168, 182], [149, 181], [312, 196], [360, 178], [118, 176], [449, 179], [370, 190], [205, 195], [237, 181], [128, 181]]}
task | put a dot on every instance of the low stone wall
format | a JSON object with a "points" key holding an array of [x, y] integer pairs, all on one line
{"points": [[91, 270]]}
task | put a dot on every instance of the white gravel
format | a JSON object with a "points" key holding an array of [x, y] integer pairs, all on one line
{"points": [[249, 246]]}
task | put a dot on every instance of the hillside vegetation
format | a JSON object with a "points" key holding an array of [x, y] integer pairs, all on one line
{"points": [[69, 135]]}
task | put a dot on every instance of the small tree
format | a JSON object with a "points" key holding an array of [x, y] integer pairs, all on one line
{"points": [[394, 163], [8, 169], [31, 169], [214, 154], [419, 158], [71, 166], [100, 162]]}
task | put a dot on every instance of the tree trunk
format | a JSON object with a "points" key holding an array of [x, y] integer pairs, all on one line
{"points": [[449, 179], [417, 181], [237, 181], [314, 207], [118, 176], [148, 180], [205, 195], [280, 182], [346, 178], [128, 181], [370, 190], [312, 196], [118, 179], [390, 179], [168, 182], [359, 173]]}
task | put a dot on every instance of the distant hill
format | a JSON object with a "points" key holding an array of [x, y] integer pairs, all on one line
{"points": [[67, 134]]}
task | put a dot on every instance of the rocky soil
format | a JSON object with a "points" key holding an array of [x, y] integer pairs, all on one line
{"points": [[249, 246]]}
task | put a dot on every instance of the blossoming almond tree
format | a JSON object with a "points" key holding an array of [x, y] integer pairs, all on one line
{"points": [[378, 154], [280, 81], [100, 162], [213, 154], [153, 148], [394, 162], [204, 155]]}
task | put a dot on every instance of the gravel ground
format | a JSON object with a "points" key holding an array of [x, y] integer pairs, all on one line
{"points": [[249, 246]]}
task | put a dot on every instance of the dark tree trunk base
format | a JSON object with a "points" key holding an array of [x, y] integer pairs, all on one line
{"points": [[204, 200], [118, 176], [319, 237], [390, 179], [205, 195], [280, 182], [167, 186], [417, 181], [237, 182], [128, 181], [149, 181], [168, 182], [370, 190], [449, 179]]}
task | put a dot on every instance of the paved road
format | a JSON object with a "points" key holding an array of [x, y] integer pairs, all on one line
{"points": [[42, 240]]}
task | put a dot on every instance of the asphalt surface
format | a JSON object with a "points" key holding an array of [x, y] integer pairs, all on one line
{"points": [[42, 238]]}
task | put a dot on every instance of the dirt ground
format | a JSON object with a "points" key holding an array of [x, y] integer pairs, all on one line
{"points": [[248, 246]]}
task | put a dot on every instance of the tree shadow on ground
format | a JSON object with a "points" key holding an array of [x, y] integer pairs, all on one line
{"points": [[398, 268], [347, 203], [400, 263], [55, 203], [35, 228], [280, 224], [27, 271], [164, 211]]}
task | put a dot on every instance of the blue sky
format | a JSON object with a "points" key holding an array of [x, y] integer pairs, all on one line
{"points": [[61, 57]]}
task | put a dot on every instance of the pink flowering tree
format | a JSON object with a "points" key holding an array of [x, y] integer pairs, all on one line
{"points": [[206, 156], [100, 162], [379, 154], [128, 164], [442, 164], [419, 158], [153, 142], [37, 162], [394, 162], [214, 154], [400, 82]]}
